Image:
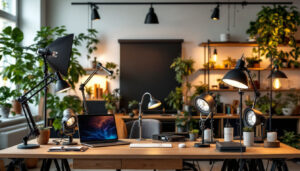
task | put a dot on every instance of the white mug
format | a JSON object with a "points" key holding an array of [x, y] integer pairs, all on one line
{"points": [[272, 136]]}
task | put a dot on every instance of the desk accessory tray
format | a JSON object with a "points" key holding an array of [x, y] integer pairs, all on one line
{"points": [[230, 147]]}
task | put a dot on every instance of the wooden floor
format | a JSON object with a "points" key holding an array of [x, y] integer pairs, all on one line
{"points": [[204, 166]]}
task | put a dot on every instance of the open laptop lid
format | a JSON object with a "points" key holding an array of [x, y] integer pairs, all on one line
{"points": [[97, 128]]}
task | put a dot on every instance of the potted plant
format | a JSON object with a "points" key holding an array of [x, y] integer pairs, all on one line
{"points": [[113, 67], [181, 122], [133, 105], [111, 101], [183, 69], [290, 138], [248, 136], [174, 99], [44, 136], [89, 92], [274, 26], [253, 62], [5, 101], [193, 134]]}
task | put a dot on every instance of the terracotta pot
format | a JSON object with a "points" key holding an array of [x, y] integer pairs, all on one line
{"points": [[44, 136], [17, 108]]}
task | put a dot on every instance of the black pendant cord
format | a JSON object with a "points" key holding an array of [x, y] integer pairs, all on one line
{"points": [[271, 96], [45, 91]]}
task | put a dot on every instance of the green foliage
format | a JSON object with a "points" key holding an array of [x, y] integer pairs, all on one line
{"points": [[290, 138], [110, 101], [174, 98], [182, 121], [247, 129], [58, 106], [89, 90], [194, 131], [183, 68], [199, 89], [5, 96], [114, 67], [278, 102], [274, 26], [133, 104], [252, 60]]}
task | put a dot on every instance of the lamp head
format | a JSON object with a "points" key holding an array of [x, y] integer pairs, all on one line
{"points": [[205, 103], [216, 13], [277, 73], [69, 120], [151, 17], [236, 77], [253, 117], [153, 103], [61, 85], [95, 15]]}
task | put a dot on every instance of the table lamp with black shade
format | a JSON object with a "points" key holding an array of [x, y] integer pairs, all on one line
{"points": [[205, 104], [82, 86], [57, 55], [152, 104]]}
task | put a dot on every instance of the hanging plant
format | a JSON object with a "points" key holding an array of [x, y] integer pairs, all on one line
{"points": [[275, 26]]}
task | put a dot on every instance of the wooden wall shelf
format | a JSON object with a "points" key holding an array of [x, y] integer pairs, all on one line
{"points": [[246, 90], [252, 69], [234, 44]]}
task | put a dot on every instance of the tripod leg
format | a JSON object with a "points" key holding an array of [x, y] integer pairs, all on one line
{"points": [[56, 164], [66, 164]]}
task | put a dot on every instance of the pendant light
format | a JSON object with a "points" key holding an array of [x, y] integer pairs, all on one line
{"points": [[151, 17], [216, 13], [215, 55], [95, 15], [277, 75]]}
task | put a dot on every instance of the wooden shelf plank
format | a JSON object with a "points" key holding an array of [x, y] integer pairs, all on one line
{"points": [[234, 44], [233, 90], [252, 69]]}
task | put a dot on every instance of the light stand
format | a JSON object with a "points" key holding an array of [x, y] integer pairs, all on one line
{"points": [[153, 103], [81, 88], [69, 123], [34, 131], [252, 118]]}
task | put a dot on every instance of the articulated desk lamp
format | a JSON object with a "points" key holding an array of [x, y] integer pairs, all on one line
{"points": [[153, 103], [57, 54], [81, 88], [205, 104]]}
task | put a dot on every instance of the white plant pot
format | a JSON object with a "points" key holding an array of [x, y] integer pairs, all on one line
{"points": [[228, 134], [248, 138], [287, 111], [4, 111]]}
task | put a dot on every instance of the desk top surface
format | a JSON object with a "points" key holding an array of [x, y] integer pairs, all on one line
{"points": [[125, 152]]}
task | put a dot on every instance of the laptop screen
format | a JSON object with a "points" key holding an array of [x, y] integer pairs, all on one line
{"points": [[97, 128]]}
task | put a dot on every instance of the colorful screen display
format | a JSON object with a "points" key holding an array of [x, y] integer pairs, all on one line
{"points": [[97, 128]]}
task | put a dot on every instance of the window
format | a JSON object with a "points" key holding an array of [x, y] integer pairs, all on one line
{"points": [[8, 17]]}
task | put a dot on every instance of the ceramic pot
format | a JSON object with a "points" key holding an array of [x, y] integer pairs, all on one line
{"points": [[287, 111], [248, 138], [44, 136], [17, 108], [193, 136], [4, 111]]}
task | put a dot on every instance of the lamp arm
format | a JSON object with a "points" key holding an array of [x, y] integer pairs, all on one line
{"points": [[81, 88], [256, 92], [140, 114]]}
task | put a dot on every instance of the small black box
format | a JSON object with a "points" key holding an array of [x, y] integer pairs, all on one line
{"points": [[170, 137], [230, 147]]}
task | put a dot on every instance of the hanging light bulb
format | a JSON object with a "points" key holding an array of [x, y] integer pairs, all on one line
{"points": [[276, 83], [215, 56]]}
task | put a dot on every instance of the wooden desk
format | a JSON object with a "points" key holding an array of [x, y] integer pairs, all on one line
{"points": [[124, 157]]}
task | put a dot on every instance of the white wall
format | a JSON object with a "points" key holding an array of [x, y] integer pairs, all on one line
{"points": [[191, 23]]}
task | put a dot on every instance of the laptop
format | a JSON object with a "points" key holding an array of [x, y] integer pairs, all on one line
{"points": [[98, 131]]}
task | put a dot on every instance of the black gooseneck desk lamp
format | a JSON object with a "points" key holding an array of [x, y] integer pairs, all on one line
{"points": [[57, 54], [205, 104], [81, 88], [153, 103]]}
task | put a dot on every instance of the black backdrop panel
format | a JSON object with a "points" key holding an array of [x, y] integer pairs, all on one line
{"points": [[145, 66]]}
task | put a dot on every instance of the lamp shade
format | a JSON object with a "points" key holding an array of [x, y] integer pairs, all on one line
{"points": [[61, 85], [95, 15], [253, 117], [151, 17], [277, 73], [153, 103], [236, 78], [204, 103], [216, 13]]}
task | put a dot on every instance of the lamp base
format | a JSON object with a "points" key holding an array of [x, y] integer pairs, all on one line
{"points": [[69, 143], [28, 146], [200, 145], [275, 144], [211, 142]]}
